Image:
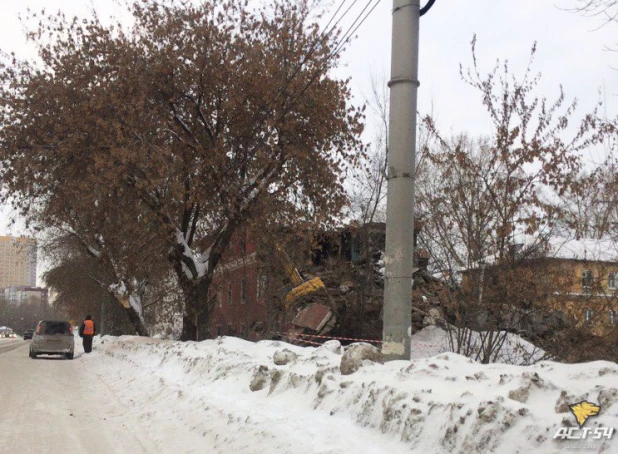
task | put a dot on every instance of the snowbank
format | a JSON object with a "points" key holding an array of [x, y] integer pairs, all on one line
{"points": [[433, 340], [242, 397]]}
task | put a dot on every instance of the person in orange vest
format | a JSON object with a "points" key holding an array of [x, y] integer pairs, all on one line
{"points": [[87, 332]]}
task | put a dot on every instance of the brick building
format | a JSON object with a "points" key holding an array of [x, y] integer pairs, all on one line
{"points": [[251, 283], [239, 291]]}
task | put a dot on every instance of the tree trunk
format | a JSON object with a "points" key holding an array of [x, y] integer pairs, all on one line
{"points": [[196, 316], [205, 309], [134, 318], [136, 321], [189, 317], [198, 308]]}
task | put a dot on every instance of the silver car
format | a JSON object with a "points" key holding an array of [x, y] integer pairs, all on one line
{"points": [[53, 337]]}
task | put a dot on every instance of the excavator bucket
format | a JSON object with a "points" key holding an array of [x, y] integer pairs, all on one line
{"points": [[309, 286]]}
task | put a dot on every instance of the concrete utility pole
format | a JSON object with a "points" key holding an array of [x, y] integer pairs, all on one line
{"points": [[398, 259]]}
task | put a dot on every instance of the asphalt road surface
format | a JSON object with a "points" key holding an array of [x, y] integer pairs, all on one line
{"points": [[51, 405]]}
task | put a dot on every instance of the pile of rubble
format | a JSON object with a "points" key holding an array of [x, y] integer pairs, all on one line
{"points": [[351, 304]]}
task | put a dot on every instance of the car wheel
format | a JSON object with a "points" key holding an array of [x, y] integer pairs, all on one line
{"points": [[69, 356], [33, 355]]}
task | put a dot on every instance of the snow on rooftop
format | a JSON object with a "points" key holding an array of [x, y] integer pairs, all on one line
{"points": [[197, 397], [601, 250], [604, 250]]}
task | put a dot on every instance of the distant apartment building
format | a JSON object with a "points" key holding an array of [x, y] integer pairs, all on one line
{"points": [[22, 294], [18, 257], [578, 277]]}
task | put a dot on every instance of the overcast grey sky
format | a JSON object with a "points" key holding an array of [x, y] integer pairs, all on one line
{"points": [[570, 52]]}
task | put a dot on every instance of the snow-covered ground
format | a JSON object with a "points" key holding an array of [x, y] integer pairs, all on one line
{"points": [[228, 396]]}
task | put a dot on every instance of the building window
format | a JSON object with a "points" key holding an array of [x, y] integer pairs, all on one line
{"points": [[229, 293], [243, 245], [261, 285], [229, 329], [612, 280], [220, 298], [589, 315], [612, 318], [586, 278], [243, 290], [243, 333], [219, 330]]}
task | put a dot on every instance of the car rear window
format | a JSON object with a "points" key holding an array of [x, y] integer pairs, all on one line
{"points": [[56, 328]]}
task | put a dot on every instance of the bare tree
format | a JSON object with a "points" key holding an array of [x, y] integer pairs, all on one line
{"points": [[493, 201], [606, 10], [456, 208], [368, 186], [590, 208]]}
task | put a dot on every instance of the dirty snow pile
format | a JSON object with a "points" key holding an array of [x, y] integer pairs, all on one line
{"points": [[233, 396]]}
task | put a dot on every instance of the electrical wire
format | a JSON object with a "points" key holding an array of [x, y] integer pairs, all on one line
{"points": [[325, 34], [427, 7], [350, 32], [337, 48]]}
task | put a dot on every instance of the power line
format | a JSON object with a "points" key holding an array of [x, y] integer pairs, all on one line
{"points": [[350, 32], [338, 46], [325, 34]]}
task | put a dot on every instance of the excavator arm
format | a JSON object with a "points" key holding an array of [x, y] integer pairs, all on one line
{"points": [[300, 286], [288, 267]]}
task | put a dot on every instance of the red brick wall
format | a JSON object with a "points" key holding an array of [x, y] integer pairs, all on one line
{"points": [[233, 316]]}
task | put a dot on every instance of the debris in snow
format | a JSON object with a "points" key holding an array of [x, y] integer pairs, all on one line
{"points": [[282, 357], [530, 382], [315, 317], [333, 346], [356, 354], [434, 317], [565, 399], [260, 379]]}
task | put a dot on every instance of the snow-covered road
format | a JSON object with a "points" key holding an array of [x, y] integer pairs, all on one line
{"points": [[50, 404], [118, 403]]}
